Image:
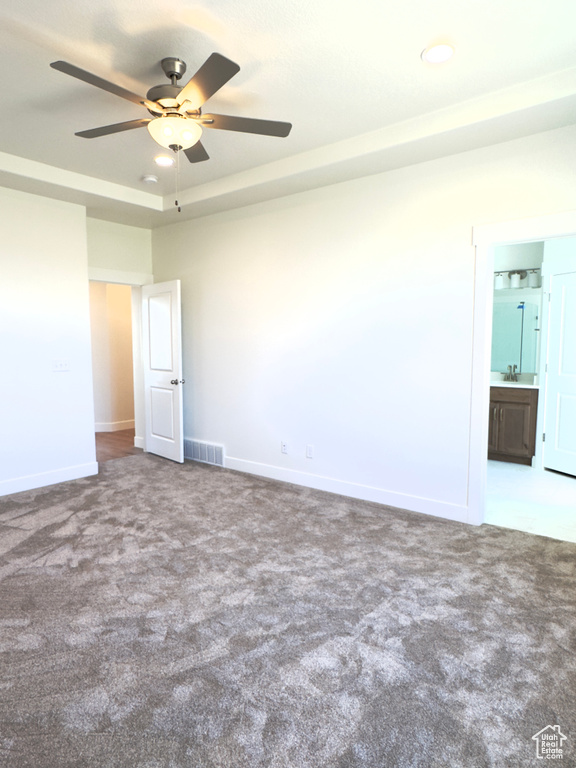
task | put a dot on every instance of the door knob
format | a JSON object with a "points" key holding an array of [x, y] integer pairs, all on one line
{"points": [[173, 381]]}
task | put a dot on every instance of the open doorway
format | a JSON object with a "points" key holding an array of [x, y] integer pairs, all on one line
{"points": [[521, 492], [526, 496], [113, 369]]}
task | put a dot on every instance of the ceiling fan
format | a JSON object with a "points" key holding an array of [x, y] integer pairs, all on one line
{"points": [[177, 119]]}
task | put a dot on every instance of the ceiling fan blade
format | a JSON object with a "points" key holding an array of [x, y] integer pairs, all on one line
{"points": [[246, 125], [196, 153], [153, 106], [88, 77], [212, 75], [105, 130]]}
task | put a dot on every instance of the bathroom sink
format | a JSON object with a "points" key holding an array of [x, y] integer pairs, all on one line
{"points": [[522, 378]]}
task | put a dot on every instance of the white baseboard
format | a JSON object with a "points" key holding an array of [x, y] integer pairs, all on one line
{"points": [[456, 512], [138, 442], [114, 426], [29, 482]]}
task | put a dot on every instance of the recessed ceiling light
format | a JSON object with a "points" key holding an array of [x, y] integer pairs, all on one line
{"points": [[164, 161], [437, 54]]}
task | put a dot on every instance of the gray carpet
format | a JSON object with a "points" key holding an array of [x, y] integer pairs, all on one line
{"points": [[163, 616]]}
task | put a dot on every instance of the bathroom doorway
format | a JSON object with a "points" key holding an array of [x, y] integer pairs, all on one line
{"points": [[527, 497]]}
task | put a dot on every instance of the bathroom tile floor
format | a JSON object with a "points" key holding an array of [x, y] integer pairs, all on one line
{"points": [[531, 500]]}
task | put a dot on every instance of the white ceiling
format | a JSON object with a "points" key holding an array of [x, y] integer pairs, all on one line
{"points": [[348, 76]]}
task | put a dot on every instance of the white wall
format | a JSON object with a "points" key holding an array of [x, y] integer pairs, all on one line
{"points": [[119, 247], [518, 256], [343, 318], [113, 376], [47, 417]]}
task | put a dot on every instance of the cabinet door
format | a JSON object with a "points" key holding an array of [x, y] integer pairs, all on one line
{"points": [[514, 429], [493, 427]]}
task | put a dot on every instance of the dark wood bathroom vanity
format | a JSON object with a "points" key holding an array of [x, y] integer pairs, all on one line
{"points": [[512, 429]]}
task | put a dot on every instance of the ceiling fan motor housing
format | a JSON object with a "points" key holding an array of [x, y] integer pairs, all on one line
{"points": [[166, 93], [174, 68]]}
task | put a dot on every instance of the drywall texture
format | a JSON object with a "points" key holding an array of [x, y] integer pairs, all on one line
{"points": [[342, 318], [47, 417]]}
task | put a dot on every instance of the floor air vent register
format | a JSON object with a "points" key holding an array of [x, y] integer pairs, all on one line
{"points": [[205, 452]]}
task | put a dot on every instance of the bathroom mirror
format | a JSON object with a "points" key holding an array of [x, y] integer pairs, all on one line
{"points": [[515, 330]]}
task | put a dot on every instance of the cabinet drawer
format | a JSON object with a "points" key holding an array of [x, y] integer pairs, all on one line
{"points": [[514, 395]]}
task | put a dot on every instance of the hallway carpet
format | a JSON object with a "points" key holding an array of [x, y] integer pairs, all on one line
{"points": [[161, 615]]}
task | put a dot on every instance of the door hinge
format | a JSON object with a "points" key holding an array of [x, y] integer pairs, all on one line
{"points": [[543, 437]]}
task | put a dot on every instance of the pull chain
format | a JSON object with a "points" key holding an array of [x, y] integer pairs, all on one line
{"points": [[177, 180]]}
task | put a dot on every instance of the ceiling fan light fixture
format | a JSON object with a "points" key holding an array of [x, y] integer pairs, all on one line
{"points": [[173, 131], [177, 118]]}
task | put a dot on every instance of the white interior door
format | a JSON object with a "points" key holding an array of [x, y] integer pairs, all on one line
{"points": [[162, 357], [559, 451]]}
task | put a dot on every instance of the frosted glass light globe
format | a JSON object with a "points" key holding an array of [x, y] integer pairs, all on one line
{"points": [[172, 132]]}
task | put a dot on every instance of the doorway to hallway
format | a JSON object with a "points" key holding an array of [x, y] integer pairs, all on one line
{"points": [[115, 445], [113, 367]]}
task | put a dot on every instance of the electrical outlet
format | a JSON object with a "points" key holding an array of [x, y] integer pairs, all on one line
{"points": [[284, 447], [309, 451]]}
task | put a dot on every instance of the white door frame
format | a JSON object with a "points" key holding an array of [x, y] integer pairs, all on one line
{"points": [[485, 238]]}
